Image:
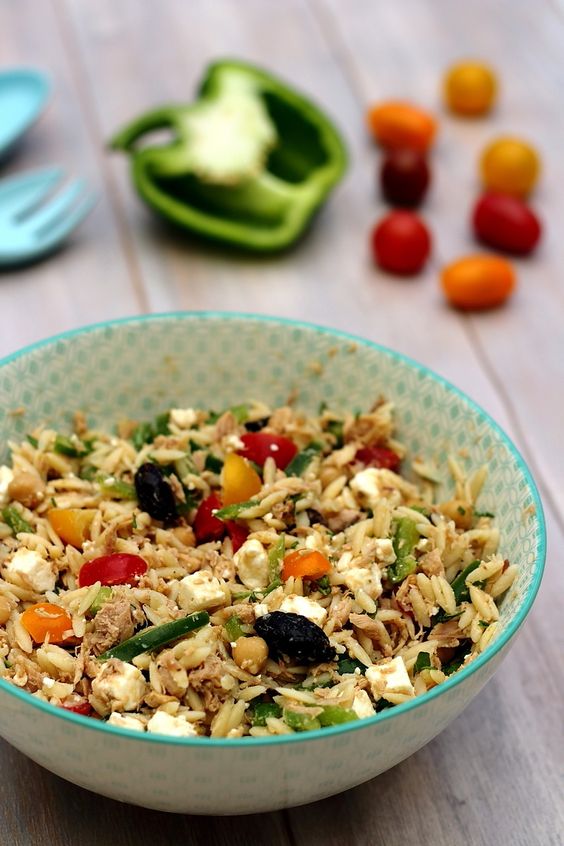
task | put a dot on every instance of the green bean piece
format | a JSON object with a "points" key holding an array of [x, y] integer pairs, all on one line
{"points": [[459, 586], [263, 710], [232, 511], [302, 460], [154, 638], [100, 599], [12, 517], [116, 488], [300, 722], [334, 715]]}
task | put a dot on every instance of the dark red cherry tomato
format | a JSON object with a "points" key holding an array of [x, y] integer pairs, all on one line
{"points": [[401, 243], [259, 445], [377, 456], [506, 223], [237, 533], [404, 177], [120, 568], [79, 706], [206, 526]]}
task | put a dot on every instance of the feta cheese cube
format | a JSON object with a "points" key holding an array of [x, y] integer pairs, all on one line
{"points": [[200, 590], [294, 604], [385, 551], [184, 418], [362, 705], [163, 723], [33, 571], [125, 721], [6, 476], [251, 564], [389, 677], [366, 486], [365, 578], [117, 687], [231, 443], [261, 608]]}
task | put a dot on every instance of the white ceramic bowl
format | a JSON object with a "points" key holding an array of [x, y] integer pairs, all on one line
{"points": [[140, 367]]}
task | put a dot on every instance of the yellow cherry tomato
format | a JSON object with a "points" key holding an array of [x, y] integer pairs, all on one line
{"points": [[510, 166], [240, 481], [46, 619], [72, 524], [470, 89], [396, 124], [478, 281]]}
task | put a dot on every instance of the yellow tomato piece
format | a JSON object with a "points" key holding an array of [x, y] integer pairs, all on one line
{"points": [[71, 524], [470, 88], [240, 481], [396, 124], [478, 281], [510, 166]]}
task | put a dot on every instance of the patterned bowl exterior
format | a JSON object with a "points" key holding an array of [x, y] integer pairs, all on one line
{"points": [[142, 366]]}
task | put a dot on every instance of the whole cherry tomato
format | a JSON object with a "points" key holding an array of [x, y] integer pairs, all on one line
{"points": [[506, 223], [397, 124], [307, 563], [377, 456], [260, 445], [404, 177], [119, 568], [44, 619], [478, 282], [401, 243], [510, 166], [206, 526], [470, 88]]}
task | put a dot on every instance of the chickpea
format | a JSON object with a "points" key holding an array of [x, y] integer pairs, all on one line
{"points": [[460, 511], [185, 535], [251, 654], [27, 488], [5, 610]]}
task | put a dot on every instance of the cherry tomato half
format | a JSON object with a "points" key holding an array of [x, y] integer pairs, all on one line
{"points": [[478, 282], [237, 533], [506, 223], [377, 456], [470, 88], [44, 619], [510, 166], [307, 563], [397, 124], [260, 445], [239, 480], [120, 568], [78, 706], [401, 243], [206, 526], [404, 177]]}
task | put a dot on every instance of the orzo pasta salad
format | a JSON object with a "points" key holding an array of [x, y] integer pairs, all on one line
{"points": [[254, 572]]}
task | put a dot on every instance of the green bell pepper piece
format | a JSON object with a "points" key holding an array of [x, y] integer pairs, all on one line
{"points": [[405, 538], [334, 715], [250, 161], [300, 722], [263, 710], [150, 639], [460, 589], [116, 488], [103, 595], [301, 461]]}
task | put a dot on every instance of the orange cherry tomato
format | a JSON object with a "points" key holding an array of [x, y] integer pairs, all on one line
{"points": [[46, 619], [478, 281], [396, 124], [470, 88], [510, 166], [240, 481], [71, 524], [307, 563]]}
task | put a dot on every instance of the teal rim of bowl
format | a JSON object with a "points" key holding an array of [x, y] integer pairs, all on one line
{"points": [[318, 734]]}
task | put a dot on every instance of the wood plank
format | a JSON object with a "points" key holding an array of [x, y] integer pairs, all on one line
{"points": [[90, 279]]}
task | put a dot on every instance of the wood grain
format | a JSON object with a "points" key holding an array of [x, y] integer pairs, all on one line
{"points": [[496, 774]]}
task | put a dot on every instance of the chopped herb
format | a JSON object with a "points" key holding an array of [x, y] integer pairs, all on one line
{"points": [[71, 446], [302, 460], [262, 710], [191, 502], [483, 624], [233, 628], [213, 416], [240, 412], [33, 441], [323, 585], [422, 509], [160, 426], [443, 617], [213, 463], [461, 510], [423, 662], [134, 522], [484, 514], [322, 407], [335, 427], [232, 511], [194, 447], [461, 592], [453, 666], [116, 488], [12, 517], [383, 705], [88, 472], [143, 434], [53, 502], [349, 665]]}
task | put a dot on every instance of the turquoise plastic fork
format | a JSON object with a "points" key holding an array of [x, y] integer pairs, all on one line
{"points": [[23, 94], [37, 213]]}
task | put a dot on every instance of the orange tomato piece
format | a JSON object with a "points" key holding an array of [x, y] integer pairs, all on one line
{"points": [[71, 524], [240, 481], [47, 619], [478, 281], [307, 563], [396, 124]]}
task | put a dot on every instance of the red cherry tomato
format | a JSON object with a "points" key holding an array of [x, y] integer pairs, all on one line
{"points": [[206, 526], [120, 568], [377, 456], [80, 706], [506, 223], [259, 445], [401, 243], [237, 533], [404, 177]]}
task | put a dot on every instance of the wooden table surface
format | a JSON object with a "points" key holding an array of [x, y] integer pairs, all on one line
{"points": [[497, 773]]}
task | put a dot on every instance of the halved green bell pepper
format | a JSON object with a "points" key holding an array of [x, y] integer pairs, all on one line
{"points": [[249, 162]]}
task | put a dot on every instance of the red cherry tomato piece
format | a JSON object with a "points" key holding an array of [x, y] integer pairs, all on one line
{"points": [[120, 568], [80, 706], [377, 456], [237, 533], [206, 526], [259, 445], [401, 243], [404, 177], [506, 223]]}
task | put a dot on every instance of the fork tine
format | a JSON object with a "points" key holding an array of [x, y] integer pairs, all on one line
{"points": [[64, 224], [19, 194], [56, 207]]}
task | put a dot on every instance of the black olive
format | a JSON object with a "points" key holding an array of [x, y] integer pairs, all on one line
{"points": [[295, 636], [256, 425], [155, 494]]}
